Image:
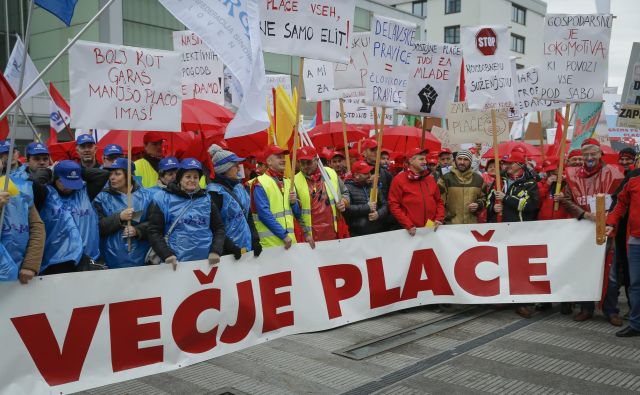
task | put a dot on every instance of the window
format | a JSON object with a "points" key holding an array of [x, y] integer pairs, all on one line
{"points": [[451, 6], [518, 14], [452, 34], [519, 66], [419, 8], [517, 43]]}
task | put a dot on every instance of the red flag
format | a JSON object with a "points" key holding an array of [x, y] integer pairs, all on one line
{"points": [[555, 150], [7, 96], [59, 114], [463, 93]]}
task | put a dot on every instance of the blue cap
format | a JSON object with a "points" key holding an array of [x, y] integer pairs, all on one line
{"points": [[168, 163], [121, 163], [112, 149], [191, 164], [85, 139], [36, 149], [4, 147], [69, 173]]}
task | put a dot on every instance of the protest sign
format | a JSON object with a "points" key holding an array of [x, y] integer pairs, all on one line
{"points": [[433, 77], [126, 88], [576, 52], [611, 108], [354, 74], [586, 120], [202, 69], [629, 116], [443, 135], [317, 29], [272, 81], [527, 93], [356, 112], [469, 126], [57, 342], [389, 59], [318, 80], [488, 79]]}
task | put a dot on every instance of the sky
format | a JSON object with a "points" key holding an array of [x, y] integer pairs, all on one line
{"points": [[626, 28]]}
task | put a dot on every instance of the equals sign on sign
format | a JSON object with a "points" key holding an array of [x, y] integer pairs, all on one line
{"points": [[388, 67]]}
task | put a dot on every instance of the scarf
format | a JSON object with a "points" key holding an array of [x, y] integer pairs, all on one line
{"points": [[315, 177], [413, 176], [279, 176], [516, 176], [585, 172]]}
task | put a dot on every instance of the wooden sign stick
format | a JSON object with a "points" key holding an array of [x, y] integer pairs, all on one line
{"points": [[496, 157], [344, 134], [376, 175], [296, 134], [563, 147], [129, 176]]}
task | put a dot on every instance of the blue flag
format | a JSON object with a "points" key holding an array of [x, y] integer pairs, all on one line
{"points": [[63, 9]]}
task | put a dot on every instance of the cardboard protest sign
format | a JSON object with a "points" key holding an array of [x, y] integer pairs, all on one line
{"points": [[317, 29], [272, 82], [468, 126], [356, 112], [354, 74], [629, 116], [318, 80], [488, 79], [119, 87], [527, 93], [434, 74], [443, 135], [576, 51], [202, 69], [390, 50]]}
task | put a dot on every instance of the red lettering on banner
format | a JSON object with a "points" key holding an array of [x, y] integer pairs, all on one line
{"points": [[271, 301], [465, 271], [521, 270], [425, 261], [205, 279], [246, 315], [378, 293], [483, 237], [184, 325], [59, 366], [126, 333], [333, 294]]}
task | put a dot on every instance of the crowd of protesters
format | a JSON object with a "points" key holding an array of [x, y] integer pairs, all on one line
{"points": [[77, 216]]}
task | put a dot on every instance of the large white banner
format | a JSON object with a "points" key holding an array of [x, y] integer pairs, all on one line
{"points": [[487, 70], [71, 332], [389, 59], [231, 29], [125, 88], [354, 74], [576, 53], [434, 75], [527, 93], [629, 116], [202, 69], [317, 29], [474, 126]]}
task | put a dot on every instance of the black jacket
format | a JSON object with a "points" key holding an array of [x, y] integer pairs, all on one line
{"points": [[357, 214], [156, 224], [521, 202], [111, 223]]}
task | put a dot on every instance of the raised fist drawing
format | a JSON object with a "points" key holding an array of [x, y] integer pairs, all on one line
{"points": [[427, 96]]}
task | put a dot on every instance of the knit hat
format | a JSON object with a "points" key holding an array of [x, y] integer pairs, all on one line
{"points": [[627, 152], [223, 160], [465, 153]]}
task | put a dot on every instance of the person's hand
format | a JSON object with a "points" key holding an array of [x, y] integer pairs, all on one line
{"points": [[551, 179], [236, 251], [173, 261], [609, 230], [309, 239], [214, 258], [473, 207], [4, 197], [287, 242], [129, 232], [590, 216], [373, 216], [126, 214], [256, 247], [558, 197], [436, 225], [341, 206], [373, 206], [293, 198], [497, 208], [500, 195], [26, 275], [412, 231]]}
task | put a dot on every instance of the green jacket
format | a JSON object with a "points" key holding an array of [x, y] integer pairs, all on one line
{"points": [[458, 190]]}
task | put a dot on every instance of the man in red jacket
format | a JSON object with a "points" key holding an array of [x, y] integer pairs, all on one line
{"points": [[547, 192], [629, 200], [414, 196]]}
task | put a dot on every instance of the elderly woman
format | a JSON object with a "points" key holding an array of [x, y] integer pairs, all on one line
{"points": [[115, 231], [184, 223]]}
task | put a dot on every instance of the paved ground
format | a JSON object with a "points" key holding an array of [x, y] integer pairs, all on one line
{"points": [[498, 353]]}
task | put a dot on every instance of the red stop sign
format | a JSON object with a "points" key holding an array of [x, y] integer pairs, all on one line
{"points": [[486, 41]]}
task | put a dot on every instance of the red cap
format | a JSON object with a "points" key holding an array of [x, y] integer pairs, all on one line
{"points": [[445, 151], [574, 153], [361, 167], [369, 144], [334, 154], [590, 141], [353, 153], [307, 153], [273, 150], [515, 156], [432, 159], [153, 137], [416, 151], [550, 164]]}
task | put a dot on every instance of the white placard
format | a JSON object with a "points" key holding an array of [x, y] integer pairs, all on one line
{"points": [[488, 79], [576, 52], [318, 80], [317, 29], [356, 112], [473, 126], [354, 74], [528, 92], [272, 82], [202, 69], [629, 116], [389, 62], [126, 88], [434, 75]]}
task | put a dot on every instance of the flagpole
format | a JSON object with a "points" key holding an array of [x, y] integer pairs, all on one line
{"points": [[67, 128], [6, 26], [55, 59], [33, 128]]}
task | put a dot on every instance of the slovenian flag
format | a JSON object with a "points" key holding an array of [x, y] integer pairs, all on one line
{"points": [[63, 9], [59, 114]]}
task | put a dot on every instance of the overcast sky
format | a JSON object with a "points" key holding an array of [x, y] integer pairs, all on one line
{"points": [[626, 29]]}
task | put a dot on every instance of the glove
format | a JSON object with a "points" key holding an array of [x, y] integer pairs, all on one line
{"points": [[214, 258], [256, 247], [236, 251], [173, 261]]}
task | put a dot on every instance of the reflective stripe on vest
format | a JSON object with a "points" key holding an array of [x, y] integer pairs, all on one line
{"points": [[302, 190], [280, 209]]}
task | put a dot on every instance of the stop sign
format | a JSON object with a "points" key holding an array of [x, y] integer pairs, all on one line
{"points": [[486, 41]]}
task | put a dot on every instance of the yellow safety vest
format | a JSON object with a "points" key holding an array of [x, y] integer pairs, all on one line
{"points": [[147, 173], [302, 190], [280, 208]]}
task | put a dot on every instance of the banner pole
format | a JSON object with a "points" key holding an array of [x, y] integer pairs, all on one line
{"points": [[496, 158], [601, 219], [6, 27], [424, 131], [344, 134], [376, 175], [296, 133], [375, 119], [563, 147], [129, 177], [33, 128], [541, 136]]}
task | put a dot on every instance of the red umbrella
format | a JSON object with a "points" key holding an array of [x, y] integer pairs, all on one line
{"points": [[63, 151], [505, 149], [204, 115], [251, 144], [330, 134], [403, 138], [609, 155]]}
